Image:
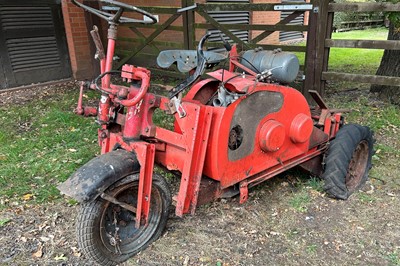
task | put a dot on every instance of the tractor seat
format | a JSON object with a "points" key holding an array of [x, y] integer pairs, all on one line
{"points": [[186, 60]]}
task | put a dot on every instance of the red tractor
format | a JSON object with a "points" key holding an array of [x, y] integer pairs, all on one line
{"points": [[232, 131]]}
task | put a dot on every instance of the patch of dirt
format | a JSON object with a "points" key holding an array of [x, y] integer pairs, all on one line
{"points": [[263, 230], [266, 230], [22, 96]]}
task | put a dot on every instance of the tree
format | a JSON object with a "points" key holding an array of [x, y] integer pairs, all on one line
{"points": [[390, 63]]}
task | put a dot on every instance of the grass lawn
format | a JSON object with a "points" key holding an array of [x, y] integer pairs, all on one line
{"points": [[42, 143], [353, 60]]}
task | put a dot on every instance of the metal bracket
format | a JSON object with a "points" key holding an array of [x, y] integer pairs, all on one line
{"points": [[115, 201], [305, 7], [176, 106], [180, 10]]}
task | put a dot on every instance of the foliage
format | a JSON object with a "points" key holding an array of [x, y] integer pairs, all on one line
{"points": [[350, 16], [394, 17]]}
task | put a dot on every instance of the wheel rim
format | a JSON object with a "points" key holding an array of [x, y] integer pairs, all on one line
{"points": [[357, 166], [117, 225]]}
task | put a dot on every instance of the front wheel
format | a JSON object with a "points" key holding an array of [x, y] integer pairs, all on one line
{"points": [[348, 161], [107, 232]]}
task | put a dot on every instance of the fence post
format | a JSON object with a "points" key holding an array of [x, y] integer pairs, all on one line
{"points": [[320, 27], [308, 83], [189, 36]]}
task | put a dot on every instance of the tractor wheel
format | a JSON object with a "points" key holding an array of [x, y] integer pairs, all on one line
{"points": [[107, 232], [348, 161]]}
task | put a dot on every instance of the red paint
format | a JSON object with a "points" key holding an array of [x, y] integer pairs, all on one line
{"points": [[272, 136], [145, 155], [301, 128]]}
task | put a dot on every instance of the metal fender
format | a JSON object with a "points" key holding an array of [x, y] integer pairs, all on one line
{"points": [[93, 178]]}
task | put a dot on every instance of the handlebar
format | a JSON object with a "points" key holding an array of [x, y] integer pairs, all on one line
{"points": [[117, 17]]}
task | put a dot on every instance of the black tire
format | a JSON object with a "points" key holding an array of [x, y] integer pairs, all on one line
{"points": [[348, 161], [100, 222]]}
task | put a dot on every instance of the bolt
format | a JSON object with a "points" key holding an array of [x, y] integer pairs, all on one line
{"points": [[146, 129]]}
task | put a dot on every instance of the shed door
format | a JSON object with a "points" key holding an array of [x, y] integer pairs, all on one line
{"points": [[32, 42]]}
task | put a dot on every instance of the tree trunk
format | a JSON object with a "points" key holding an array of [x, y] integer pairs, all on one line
{"points": [[390, 66]]}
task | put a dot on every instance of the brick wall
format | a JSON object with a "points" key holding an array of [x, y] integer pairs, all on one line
{"points": [[78, 41], [266, 18]]}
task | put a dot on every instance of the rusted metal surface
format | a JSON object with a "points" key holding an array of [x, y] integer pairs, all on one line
{"points": [[357, 166], [117, 202], [313, 165], [244, 191], [209, 191]]}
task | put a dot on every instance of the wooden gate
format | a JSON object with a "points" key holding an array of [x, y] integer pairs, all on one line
{"points": [[193, 20]]}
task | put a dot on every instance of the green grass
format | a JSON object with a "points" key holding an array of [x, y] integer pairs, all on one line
{"points": [[41, 144], [315, 183], [4, 221], [300, 201], [312, 249], [367, 34], [393, 259], [353, 60]]}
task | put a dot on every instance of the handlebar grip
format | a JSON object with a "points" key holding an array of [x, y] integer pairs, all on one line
{"points": [[201, 44], [97, 42], [130, 7]]}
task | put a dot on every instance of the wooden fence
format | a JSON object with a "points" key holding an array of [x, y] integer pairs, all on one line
{"points": [[318, 44], [320, 41]]}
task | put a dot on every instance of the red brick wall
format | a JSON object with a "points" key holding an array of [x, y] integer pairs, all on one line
{"points": [[266, 18], [78, 40]]}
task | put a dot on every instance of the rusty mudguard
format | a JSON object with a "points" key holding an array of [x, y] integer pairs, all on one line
{"points": [[93, 178]]}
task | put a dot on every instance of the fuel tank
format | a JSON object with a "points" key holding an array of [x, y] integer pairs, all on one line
{"points": [[284, 66]]}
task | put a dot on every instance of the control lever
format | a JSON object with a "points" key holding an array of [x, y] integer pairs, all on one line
{"points": [[97, 41]]}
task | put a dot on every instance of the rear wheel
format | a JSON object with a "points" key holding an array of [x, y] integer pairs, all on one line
{"points": [[106, 231], [348, 161]]}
